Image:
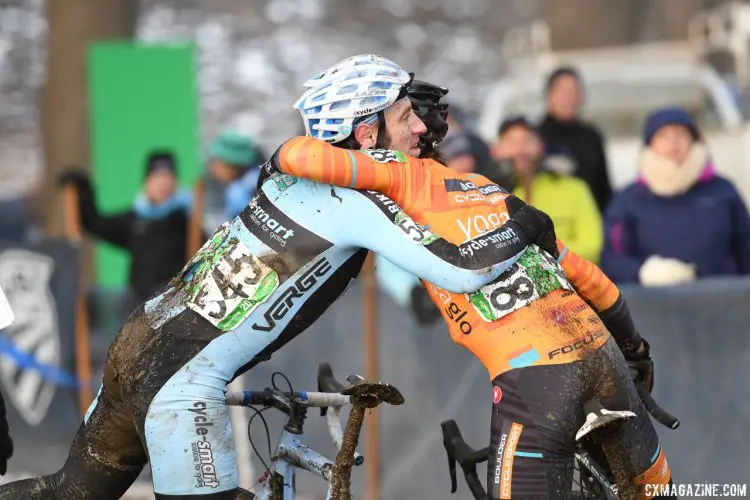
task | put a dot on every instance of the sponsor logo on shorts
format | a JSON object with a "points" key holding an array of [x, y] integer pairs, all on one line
{"points": [[497, 394], [507, 465], [499, 458], [203, 453]]}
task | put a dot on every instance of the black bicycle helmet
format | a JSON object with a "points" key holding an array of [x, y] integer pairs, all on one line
{"points": [[425, 100]]}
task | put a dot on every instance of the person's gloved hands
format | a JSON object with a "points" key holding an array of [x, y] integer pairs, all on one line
{"points": [[641, 366], [76, 177], [424, 309], [6, 443], [536, 225], [661, 271]]}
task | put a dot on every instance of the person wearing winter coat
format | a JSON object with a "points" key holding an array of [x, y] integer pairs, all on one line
{"points": [[564, 131], [566, 199], [153, 230], [680, 220], [464, 151]]}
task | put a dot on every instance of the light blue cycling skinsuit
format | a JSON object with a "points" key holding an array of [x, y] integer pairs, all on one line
{"points": [[256, 284]]}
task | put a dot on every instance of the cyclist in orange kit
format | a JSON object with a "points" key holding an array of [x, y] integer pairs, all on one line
{"points": [[553, 331]]}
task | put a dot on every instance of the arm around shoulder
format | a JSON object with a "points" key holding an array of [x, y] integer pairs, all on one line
{"points": [[412, 247]]}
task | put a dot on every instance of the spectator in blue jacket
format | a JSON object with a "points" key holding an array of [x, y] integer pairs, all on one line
{"points": [[680, 221]]}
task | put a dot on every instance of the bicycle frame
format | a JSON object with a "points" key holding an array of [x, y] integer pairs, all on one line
{"points": [[595, 469], [292, 453]]}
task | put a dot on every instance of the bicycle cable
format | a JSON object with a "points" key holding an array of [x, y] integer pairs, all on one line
{"points": [[268, 435], [259, 413], [288, 383]]}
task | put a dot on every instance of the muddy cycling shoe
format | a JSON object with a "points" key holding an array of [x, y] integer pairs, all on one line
{"points": [[597, 416]]}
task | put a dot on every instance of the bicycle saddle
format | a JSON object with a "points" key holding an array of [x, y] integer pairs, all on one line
{"points": [[597, 416], [371, 394]]}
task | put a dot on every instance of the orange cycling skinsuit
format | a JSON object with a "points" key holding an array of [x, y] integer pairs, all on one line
{"points": [[548, 331]]}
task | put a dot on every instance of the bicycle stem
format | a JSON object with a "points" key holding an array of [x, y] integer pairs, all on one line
{"points": [[342, 470]]}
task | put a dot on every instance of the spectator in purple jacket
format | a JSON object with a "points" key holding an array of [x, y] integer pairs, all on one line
{"points": [[680, 221]]}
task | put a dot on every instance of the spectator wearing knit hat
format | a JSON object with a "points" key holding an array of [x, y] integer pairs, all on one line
{"points": [[233, 161], [679, 221], [153, 230]]}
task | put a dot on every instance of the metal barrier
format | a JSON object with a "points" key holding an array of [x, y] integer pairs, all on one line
{"points": [[701, 343]]}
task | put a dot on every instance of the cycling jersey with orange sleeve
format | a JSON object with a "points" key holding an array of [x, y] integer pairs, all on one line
{"points": [[532, 314]]}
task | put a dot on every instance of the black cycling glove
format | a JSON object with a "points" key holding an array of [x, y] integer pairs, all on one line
{"points": [[641, 366], [425, 100], [536, 225]]}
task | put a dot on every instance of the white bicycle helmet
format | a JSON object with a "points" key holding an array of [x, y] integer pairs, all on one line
{"points": [[349, 92]]}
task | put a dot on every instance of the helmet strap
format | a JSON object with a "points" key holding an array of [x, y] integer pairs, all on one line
{"points": [[382, 132]]}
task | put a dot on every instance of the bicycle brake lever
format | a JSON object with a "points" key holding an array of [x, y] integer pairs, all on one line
{"points": [[324, 409], [452, 470], [354, 379]]}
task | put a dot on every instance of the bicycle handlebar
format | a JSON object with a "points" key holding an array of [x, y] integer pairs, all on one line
{"points": [[660, 415], [466, 456], [282, 401]]}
